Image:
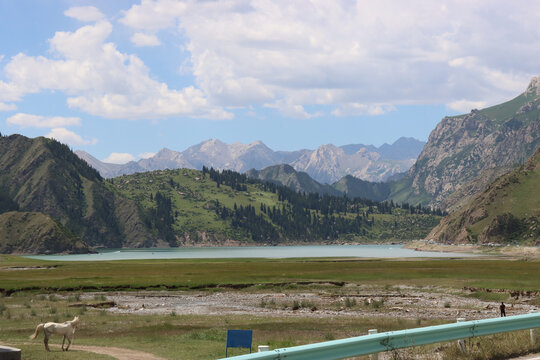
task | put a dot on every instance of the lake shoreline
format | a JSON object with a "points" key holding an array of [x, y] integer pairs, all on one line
{"points": [[388, 251], [498, 250]]}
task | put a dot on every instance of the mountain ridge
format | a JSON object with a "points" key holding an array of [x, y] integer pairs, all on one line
{"points": [[41, 175], [461, 147], [326, 164], [507, 210]]}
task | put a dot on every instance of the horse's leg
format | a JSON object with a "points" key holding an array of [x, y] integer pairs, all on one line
{"points": [[46, 341], [63, 341], [69, 342]]}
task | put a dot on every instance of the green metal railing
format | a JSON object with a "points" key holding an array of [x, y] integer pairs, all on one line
{"points": [[387, 341]]}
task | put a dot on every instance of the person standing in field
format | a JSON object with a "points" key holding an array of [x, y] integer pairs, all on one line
{"points": [[503, 309]]}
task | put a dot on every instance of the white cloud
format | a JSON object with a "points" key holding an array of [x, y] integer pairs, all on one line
{"points": [[292, 110], [154, 15], [146, 155], [119, 158], [102, 81], [7, 107], [27, 120], [10, 91], [354, 57], [465, 106], [357, 109], [141, 39], [84, 13], [69, 137], [342, 52]]}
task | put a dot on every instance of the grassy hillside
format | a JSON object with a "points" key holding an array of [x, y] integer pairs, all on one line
{"points": [[210, 210], [43, 175], [354, 187], [27, 232], [286, 175], [508, 210]]}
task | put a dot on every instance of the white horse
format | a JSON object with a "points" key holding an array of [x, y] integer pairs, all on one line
{"points": [[66, 328]]}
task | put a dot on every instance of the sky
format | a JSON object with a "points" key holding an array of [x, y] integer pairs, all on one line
{"points": [[122, 79]]}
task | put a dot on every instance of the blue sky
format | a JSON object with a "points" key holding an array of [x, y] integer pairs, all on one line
{"points": [[123, 79]]}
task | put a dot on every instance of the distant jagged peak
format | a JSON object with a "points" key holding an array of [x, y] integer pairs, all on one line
{"points": [[165, 151], [534, 86], [212, 143], [329, 148], [258, 144]]}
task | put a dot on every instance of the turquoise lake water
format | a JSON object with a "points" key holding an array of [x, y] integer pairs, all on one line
{"points": [[268, 252]]}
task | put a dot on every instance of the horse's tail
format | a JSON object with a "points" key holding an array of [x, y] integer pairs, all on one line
{"points": [[38, 328]]}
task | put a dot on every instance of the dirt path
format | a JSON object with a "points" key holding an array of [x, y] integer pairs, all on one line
{"points": [[117, 353]]}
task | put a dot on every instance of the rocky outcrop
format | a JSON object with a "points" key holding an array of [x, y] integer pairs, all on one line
{"points": [[507, 210], [460, 148]]}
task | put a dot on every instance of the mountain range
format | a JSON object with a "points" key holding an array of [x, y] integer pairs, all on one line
{"points": [[482, 167], [326, 164]]}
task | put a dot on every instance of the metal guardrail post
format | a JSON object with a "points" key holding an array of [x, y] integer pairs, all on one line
{"points": [[533, 333], [376, 355], [461, 342]]}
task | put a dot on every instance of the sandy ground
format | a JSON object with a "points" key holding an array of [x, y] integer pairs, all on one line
{"points": [[516, 252], [401, 302]]}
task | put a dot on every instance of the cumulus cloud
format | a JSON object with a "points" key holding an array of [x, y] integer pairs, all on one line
{"points": [[84, 13], [146, 155], [142, 39], [119, 158], [27, 120], [69, 137], [10, 91], [154, 15], [357, 109], [357, 58], [345, 54], [101, 80], [7, 107], [465, 106], [292, 110]]}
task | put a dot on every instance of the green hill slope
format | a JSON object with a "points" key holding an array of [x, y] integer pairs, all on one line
{"points": [[36, 233], [216, 208], [287, 176], [507, 210], [354, 187], [43, 175]]}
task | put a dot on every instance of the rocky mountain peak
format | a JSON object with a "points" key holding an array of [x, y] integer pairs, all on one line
{"points": [[328, 149], [257, 143], [534, 86], [462, 150], [164, 153]]}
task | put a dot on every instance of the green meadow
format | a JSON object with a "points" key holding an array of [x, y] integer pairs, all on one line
{"points": [[35, 291], [244, 273]]}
